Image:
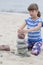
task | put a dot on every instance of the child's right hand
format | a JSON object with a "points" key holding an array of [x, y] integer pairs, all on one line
{"points": [[19, 30]]}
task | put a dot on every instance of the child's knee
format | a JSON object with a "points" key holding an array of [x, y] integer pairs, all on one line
{"points": [[36, 50]]}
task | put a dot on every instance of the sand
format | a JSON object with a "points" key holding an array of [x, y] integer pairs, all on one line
{"points": [[9, 23]]}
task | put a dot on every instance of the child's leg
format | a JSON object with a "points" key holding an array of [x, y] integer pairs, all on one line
{"points": [[42, 24], [30, 45], [36, 48]]}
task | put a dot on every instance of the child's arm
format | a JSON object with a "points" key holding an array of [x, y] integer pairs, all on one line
{"points": [[22, 27], [33, 29]]}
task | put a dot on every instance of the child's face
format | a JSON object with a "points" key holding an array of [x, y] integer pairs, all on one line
{"points": [[33, 13]]}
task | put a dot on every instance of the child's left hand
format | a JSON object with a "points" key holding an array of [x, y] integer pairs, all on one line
{"points": [[24, 31]]}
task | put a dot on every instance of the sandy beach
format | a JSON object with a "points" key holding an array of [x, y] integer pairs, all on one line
{"points": [[9, 23]]}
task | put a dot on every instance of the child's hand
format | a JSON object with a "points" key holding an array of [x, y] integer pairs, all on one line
{"points": [[25, 31], [19, 31]]}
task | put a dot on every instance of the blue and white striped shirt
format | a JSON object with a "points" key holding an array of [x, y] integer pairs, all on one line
{"points": [[34, 36]]}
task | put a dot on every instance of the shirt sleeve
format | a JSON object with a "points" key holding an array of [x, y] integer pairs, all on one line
{"points": [[26, 21], [40, 20]]}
